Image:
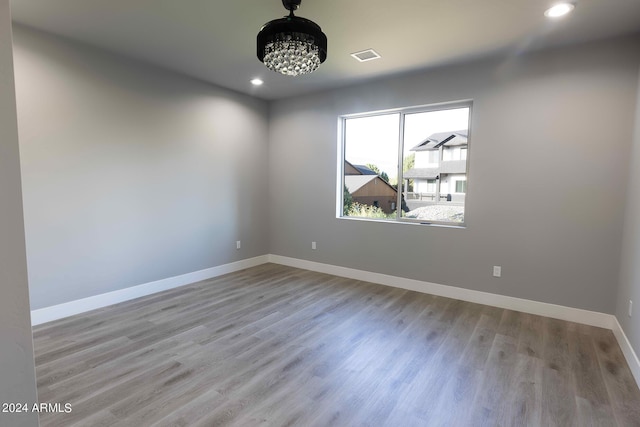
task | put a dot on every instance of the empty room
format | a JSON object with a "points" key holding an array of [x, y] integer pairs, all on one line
{"points": [[319, 213]]}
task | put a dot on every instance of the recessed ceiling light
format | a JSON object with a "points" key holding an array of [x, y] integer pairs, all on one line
{"points": [[256, 82], [558, 10], [366, 55]]}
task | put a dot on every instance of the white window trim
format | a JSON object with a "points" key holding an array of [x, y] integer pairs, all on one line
{"points": [[466, 103]]}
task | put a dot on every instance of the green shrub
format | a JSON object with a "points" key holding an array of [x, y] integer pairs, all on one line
{"points": [[347, 201], [367, 211]]}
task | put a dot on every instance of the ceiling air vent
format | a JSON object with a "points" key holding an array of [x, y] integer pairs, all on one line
{"points": [[366, 55]]}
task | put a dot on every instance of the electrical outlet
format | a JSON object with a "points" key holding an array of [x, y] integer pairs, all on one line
{"points": [[497, 271], [313, 245], [630, 308], [238, 244]]}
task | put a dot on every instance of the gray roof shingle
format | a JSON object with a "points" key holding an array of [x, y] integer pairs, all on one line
{"points": [[450, 139]]}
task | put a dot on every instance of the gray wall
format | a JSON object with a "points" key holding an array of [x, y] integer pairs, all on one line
{"points": [[551, 135], [131, 174], [630, 262], [17, 373]]}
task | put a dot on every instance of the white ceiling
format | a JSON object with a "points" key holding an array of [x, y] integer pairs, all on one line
{"points": [[214, 40]]}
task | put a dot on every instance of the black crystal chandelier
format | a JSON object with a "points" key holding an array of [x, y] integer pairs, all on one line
{"points": [[292, 45]]}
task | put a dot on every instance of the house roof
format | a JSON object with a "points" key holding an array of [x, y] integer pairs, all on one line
{"points": [[349, 169], [356, 182], [446, 167], [425, 173], [361, 169], [364, 170], [436, 140]]}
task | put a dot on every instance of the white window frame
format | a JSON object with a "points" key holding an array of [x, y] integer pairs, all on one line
{"points": [[468, 103]]}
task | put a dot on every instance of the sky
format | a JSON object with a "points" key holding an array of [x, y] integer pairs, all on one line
{"points": [[374, 139]]}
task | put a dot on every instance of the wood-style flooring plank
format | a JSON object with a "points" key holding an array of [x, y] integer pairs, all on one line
{"points": [[594, 406], [280, 346], [617, 377]]}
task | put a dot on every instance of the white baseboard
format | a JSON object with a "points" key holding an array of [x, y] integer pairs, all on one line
{"points": [[577, 315], [571, 314], [627, 350], [591, 318], [55, 312]]}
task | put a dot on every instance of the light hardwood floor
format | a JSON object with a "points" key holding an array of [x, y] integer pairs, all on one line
{"points": [[278, 346]]}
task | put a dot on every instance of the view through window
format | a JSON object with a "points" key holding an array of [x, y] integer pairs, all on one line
{"points": [[406, 165]]}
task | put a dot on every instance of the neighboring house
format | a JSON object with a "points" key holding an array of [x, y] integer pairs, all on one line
{"points": [[367, 188], [440, 170], [351, 169]]}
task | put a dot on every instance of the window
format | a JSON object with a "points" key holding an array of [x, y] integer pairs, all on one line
{"points": [[406, 165], [454, 153], [434, 157]]}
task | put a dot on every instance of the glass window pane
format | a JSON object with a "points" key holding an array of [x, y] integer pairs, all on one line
{"points": [[371, 166], [435, 155]]}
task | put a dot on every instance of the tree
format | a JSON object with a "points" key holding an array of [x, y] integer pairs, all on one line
{"points": [[381, 174], [408, 163], [368, 211], [347, 201], [373, 168]]}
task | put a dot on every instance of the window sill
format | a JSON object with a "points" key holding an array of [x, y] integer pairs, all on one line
{"points": [[403, 222]]}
